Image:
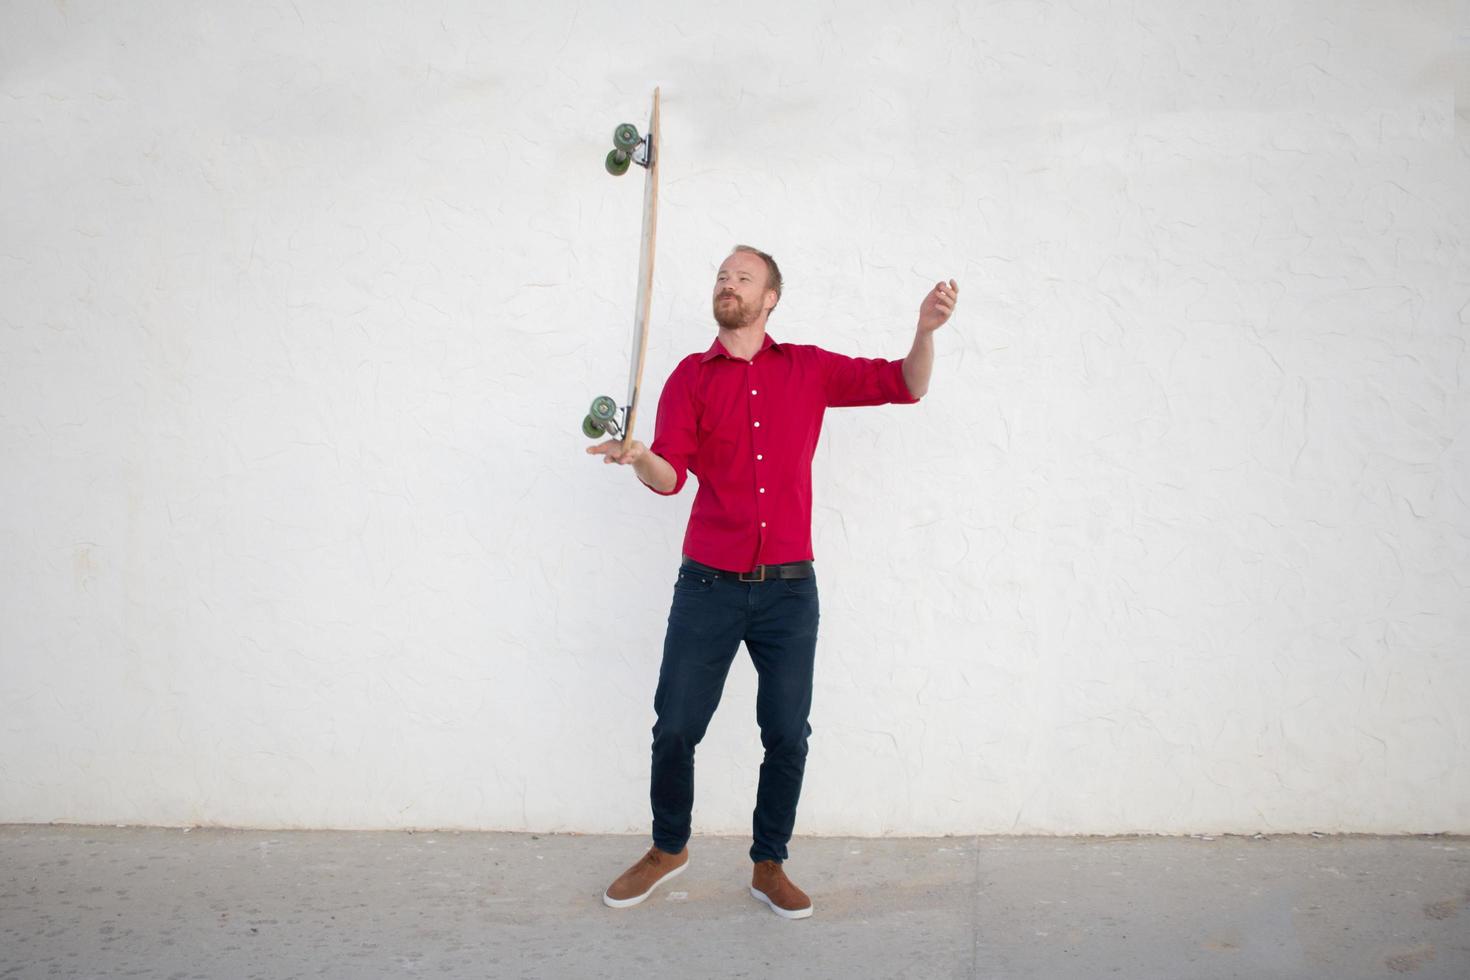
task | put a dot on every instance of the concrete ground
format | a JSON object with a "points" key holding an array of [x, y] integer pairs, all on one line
{"points": [[115, 902]]}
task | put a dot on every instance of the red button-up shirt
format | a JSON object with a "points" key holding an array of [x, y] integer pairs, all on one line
{"points": [[748, 430]]}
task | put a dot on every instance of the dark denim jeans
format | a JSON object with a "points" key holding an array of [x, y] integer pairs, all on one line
{"points": [[709, 618]]}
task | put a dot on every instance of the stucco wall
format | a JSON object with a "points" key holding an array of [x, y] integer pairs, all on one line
{"points": [[301, 305]]}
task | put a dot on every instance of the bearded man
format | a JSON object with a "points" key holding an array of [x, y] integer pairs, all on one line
{"points": [[744, 416]]}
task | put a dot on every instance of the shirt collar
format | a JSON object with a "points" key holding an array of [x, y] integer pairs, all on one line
{"points": [[717, 349]]}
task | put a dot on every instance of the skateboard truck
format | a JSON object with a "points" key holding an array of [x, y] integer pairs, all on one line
{"points": [[628, 147], [603, 419]]}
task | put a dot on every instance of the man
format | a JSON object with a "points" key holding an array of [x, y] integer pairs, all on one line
{"points": [[744, 416]]}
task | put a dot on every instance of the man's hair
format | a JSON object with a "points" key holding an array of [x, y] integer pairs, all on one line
{"points": [[773, 273]]}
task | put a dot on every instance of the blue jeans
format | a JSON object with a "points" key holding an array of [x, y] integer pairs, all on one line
{"points": [[709, 617]]}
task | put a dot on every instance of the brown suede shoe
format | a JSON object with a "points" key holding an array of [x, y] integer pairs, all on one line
{"points": [[652, 870], [770, 884]]}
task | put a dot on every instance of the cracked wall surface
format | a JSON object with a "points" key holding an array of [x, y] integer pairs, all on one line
{"points": [[301, 305]]}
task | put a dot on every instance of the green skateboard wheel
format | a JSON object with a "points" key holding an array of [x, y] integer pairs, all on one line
{"points": [[625, 137], [617, 162], [604, 408], [591, 428]]}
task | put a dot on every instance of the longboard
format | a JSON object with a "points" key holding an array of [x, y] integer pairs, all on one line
{"points": [[629, 147]]}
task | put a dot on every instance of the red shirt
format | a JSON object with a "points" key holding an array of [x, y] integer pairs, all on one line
{"points": [[748, 430]]}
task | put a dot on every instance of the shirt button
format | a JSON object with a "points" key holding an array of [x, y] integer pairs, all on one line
{"points": [[752, 391], [757, 425], [759, 456], [763, 523], [763, 489]]}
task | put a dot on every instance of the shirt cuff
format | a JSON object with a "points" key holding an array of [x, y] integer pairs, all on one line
{"points": [[681, 474], [901, 393]]}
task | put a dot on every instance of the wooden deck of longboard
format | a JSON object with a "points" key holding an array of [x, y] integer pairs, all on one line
{"points": [[645, 274]]}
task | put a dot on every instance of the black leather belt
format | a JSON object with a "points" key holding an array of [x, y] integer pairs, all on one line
{"points": [[791, 569]]}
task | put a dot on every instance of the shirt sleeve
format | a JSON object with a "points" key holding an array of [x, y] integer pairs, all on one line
{"points": [[675, 435], [863, 381]]}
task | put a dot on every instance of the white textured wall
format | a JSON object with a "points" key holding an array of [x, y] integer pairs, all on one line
{"points": [[301, 306]]}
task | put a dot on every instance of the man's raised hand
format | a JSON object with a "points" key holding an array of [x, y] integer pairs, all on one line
{"points": [[938, 305]]}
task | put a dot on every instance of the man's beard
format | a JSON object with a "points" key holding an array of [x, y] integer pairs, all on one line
{"points": [[733, 316]]}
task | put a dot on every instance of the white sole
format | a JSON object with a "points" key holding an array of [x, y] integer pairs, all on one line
{"points": [[783, 913], [622, 903]]}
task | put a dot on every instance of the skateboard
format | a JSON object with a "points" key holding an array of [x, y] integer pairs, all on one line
{"points": [[629, 147]]}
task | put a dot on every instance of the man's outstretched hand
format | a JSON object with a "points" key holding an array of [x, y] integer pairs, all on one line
{"points": [[612, 451], [651, 468], [935, 311]]}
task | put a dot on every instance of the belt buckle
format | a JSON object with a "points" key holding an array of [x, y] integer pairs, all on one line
{"points": [[762, 568]]}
